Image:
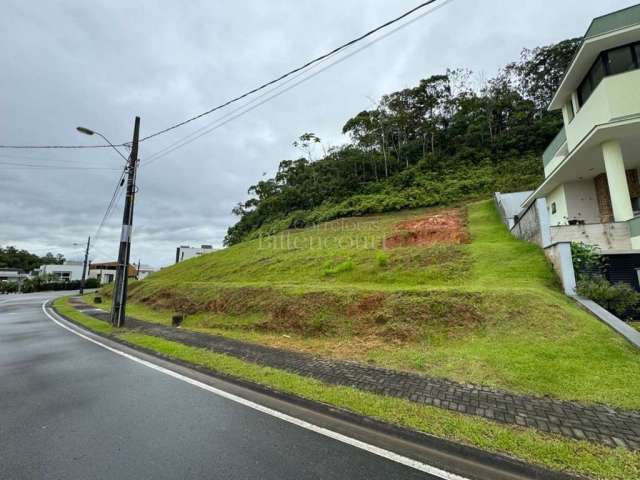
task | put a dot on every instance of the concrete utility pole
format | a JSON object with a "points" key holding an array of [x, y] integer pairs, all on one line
{"points": [[122, 271], [84, 268]]}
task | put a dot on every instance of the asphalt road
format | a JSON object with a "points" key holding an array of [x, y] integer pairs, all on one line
{"points": [[70, 409]]}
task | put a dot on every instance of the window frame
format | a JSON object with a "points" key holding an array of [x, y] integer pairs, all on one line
{"points": [[630, 48], [603, 58]]}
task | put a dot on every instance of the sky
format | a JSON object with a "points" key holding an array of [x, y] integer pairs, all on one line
{"points": [[99, 64]]}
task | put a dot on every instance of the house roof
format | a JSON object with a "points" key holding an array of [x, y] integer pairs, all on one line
{"points": [[605, 32], [614, 21], [112, 266]]}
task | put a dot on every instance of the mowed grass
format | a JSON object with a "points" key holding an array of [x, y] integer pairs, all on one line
{"points": [[489, 312], [550, 451], [320, 254]]}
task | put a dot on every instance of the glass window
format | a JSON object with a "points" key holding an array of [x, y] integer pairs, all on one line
{"points": [[584, 91], [570, 113], [637, 47], [620, 60], [597, 73]]}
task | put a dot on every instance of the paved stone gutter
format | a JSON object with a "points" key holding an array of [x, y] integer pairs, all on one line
{"points": [[601, 424]]}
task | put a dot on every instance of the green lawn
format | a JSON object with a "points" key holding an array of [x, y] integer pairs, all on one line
{"points": [[554, 452], [489, 311]]}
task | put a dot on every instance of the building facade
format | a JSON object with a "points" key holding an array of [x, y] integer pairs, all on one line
{"points": [[69, 271], [185, 252], [105, 272], [591, 186], [12, 275]]}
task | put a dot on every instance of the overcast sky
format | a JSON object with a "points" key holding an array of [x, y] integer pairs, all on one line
{"points": [[100, 63]]}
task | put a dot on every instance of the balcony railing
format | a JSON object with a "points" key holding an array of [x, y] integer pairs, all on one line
{"points": [[634, 227], [554, 146]]}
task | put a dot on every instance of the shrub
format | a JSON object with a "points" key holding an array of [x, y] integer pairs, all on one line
{"points": [[618, 298], [587, 260], [382, 259], [330, 269]]}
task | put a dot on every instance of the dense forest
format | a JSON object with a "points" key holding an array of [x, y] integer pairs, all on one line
{"points": [[11, 257], [446, 140]]}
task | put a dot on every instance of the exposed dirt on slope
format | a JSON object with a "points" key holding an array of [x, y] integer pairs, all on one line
{"points": [[446, 227]]}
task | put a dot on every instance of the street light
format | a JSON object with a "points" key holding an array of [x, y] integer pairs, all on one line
{"points": [[88, 131], [119, 306]]}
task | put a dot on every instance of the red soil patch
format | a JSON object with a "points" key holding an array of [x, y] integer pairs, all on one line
{"points": [[446, 227]]}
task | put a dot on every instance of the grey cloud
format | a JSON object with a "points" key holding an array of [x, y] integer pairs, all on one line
{"points": [[98, 64]]}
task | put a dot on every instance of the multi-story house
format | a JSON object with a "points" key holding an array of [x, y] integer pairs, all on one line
{"points": [[591, 190], [591, 167]]}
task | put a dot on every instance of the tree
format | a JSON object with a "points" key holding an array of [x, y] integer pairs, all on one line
{"points": [[540, 71], [11, 257], [440, 141]]}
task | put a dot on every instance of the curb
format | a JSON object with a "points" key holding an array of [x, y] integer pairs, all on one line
{"points": [[509, 465]]}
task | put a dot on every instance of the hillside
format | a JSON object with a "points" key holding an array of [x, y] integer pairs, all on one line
{"points": [[445, 292], [449, 139]]}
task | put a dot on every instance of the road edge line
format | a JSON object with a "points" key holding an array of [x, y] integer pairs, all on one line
{"points": [[381, 452]]}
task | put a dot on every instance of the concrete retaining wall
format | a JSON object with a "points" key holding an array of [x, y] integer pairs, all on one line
{"points": [[607, 236], [559, 254]]}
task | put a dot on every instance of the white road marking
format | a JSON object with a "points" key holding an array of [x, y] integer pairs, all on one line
{"points": [[381, 452]]}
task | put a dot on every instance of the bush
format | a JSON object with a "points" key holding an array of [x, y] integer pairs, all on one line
{"points": [[330, 269], [618, 298], [38, 284], [382, 259], [587, 261]]}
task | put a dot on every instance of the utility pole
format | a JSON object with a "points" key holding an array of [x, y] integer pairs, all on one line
{"points": [[84, 268], [138, 271], [122, 271]]}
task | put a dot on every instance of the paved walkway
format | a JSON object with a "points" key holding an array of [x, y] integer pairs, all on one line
{"points": [[600, 424]]}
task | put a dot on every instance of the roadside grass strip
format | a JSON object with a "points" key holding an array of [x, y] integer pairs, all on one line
{"points": [[546, 450], [489, 312]]}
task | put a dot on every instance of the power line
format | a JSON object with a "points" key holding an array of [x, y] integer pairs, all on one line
{"points": [[54, 167], [244, 95], [291, 72], [227, 118], [33, 147], [48, 160], [109, 209]]}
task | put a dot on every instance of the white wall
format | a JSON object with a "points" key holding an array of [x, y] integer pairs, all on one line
{"points": [[106, 276], [185, 253], [574, 200], [582, 201], [616, 96], [557, 196], [75, 271], [606, 236]]}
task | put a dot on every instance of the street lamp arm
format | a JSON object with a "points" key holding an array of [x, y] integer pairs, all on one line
{"points": [[88, 131], [112, 146]]}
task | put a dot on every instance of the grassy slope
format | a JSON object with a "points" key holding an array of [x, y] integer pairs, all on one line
{"points": [[559, 453], [486, 312]]}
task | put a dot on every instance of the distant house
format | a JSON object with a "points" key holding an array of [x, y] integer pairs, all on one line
{"points": [[143, 271], [591, 190], [69, 271], [185, 252], [105, 272], [12, 275]]}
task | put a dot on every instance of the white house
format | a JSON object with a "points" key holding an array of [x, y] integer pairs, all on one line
{"points": [[143, 271], [591, 186], [591, 190], [185, 252], [105, 272], [68, 271], [12, 275]]}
